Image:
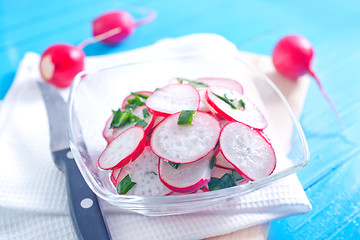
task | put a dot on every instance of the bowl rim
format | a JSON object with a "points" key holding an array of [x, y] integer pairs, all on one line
{"points": [[211, 196]]}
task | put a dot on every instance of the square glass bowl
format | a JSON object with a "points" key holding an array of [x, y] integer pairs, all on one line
{"points": [[94, 94]]}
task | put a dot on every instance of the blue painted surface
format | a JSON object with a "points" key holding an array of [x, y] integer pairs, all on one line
{"points": [[332, 178]]}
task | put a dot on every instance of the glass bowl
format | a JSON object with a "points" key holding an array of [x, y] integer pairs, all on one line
{"points": [[94, 94]]}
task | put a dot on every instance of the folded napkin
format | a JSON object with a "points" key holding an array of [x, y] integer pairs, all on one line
{"points": [[33, 202]]}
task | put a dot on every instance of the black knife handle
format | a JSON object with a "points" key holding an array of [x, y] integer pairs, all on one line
{"points": [[85, 210]]}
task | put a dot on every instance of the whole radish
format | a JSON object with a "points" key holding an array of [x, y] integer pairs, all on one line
{"points": [[120, 20], [292, 57], [60, 63]]}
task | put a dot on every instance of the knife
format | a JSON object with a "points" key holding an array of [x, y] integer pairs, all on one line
{"points": [[85, 210]]}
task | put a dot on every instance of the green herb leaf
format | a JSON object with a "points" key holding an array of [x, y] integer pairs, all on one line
{"points": [[146, 113], [125, 185], [226, 100], [135, 102], [194, 83], [140, 95], [242, 103], [141, 123], [226, 181], [212, 162], [120, 119], [237, 176], [185, 117], [174, 165]]}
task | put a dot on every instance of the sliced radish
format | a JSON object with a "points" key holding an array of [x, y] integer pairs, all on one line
{"points": [[185, 143], [223, 82], [173, 98], [108, 133], [204, 105], [221, 162], [128, 145], [187, 177], [251, 115], [144, 171], [158, 120], [114, 175], [217, 172], [125, 102], [247, 150]]}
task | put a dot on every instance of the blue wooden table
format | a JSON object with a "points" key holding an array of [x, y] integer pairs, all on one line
{"points": [[332, 178]]}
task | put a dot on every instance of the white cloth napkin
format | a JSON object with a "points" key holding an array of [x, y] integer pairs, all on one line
{"points": [[33, 202]]}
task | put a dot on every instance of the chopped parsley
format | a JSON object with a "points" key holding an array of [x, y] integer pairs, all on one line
{"points": [[226, 100], [125, 185], [212, 162], [185, 117], [174, 165], [121, 118], [191, 82], [226, 181]]}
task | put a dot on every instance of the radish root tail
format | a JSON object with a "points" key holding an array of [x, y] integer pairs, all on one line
{"points": [[327, 98]]}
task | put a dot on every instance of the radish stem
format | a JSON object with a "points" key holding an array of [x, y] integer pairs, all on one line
{"points": [[99, 37], [328, 99]]}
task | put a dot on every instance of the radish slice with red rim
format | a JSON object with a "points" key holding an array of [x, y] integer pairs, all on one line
{"points": [[187, 177], [173, 98], [221, 162], [223, 82], [128, 145], [185, 143], [217, 172], [108, 133], [114, 175], [247, 150], [232, 109], [144, 172]]}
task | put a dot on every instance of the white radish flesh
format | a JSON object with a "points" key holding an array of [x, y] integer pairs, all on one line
{"points": [[221, 162], [247, 150], [185, 143], [250, 115], [187, 177], [128, 145], [144, 172], [223, 82], [173, 98]]}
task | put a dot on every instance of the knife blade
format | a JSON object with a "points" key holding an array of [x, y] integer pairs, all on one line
{"points": [[85, 211]]}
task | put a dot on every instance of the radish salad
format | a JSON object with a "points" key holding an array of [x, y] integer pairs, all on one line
{"points": [[188, 136]]}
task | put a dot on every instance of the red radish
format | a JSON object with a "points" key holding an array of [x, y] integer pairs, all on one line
{"points": [[121, 20], [185, 143], [125, 102], [204, 105], [249, 115], [221, 162], [223, 82], [60, 63], [158, 120], [218, 172], [292, 57], [187, 177], [111, 20], [125, 147], [144, 171], [114, 175], [247, 150], [110, 133], [173, 98]]}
